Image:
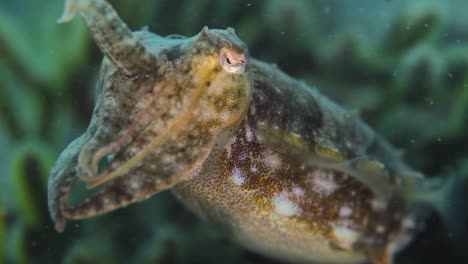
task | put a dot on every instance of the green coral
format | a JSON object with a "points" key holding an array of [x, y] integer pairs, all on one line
{"points": [[30, 167], [409, 30]]}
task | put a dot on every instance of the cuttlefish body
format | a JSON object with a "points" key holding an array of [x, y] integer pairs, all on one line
{"points": [[284, 170]]}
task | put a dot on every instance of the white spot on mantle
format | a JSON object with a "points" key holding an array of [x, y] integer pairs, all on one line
{"points": [[380, 229], [345, 237], [253, 168], [298, 191], [272, 160], [248, 134], [284, 206], [237, 176], [231, 141], [346, 211], [323, 183]]}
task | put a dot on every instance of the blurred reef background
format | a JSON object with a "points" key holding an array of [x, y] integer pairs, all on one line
{"points": [[402, 65]]}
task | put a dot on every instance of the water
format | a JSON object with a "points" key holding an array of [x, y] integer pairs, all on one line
{"points": [[401, 65]]}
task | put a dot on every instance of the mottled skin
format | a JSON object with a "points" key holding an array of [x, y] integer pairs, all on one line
{"points": [[282, 205], [284, 170]]}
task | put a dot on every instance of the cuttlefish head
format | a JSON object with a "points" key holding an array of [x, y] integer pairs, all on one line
{"points": [[149, 133]]}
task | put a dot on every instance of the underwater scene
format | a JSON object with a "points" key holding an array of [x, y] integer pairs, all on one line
{"points": [[233, 131]]}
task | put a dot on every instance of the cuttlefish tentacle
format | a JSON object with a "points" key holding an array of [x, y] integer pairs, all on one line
{"points": [[61, 180], [120, 192], [135, 184], [173, 129], [112, 36], [90, 162], [117, 194]]}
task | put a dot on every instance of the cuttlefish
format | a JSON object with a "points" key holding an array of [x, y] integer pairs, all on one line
{"points": [[284, 170]]}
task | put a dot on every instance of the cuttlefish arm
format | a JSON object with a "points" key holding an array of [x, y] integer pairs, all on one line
{"points": [[186, 158], [118, 97], [118, 193], [61, 179], [112, 36]]}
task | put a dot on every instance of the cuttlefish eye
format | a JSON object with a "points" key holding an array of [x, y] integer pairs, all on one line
{"points": [[233, 61]]}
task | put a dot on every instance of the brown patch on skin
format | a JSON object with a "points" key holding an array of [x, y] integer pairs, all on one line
{"points": [[320, 212]]}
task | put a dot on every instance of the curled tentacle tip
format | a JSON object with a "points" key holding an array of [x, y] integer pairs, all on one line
{"points": [[56, 213], [64, 18], [69, 12], [58, 219], [60, 225]]}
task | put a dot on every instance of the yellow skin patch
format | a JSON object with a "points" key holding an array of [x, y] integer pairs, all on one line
{"points": [[212, 103]]}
